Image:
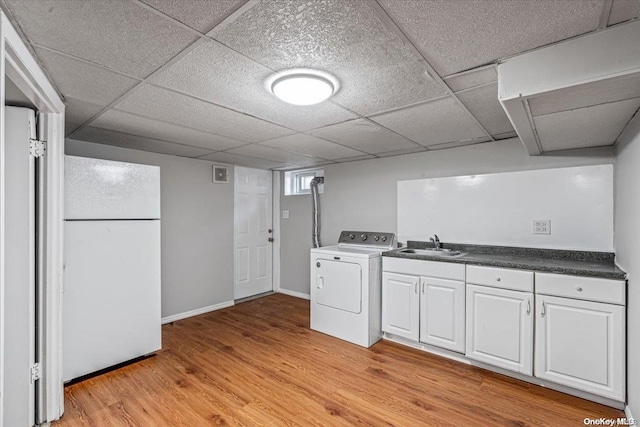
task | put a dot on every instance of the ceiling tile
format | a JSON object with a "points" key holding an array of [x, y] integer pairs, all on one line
{"points": [[431, 123], [506, 135], [598, 92], [220, 75], [469, 79], [77, 79], [118, 139], [364, 135], [459, 143], [77, 112], [356, 158], [311, 146], [484, 105], [302, 163], [138, 125], [585, 127], [459, 35], [114, 33], [299, 165], [172, 107], [623, 10], [401, 152], [201, 15], [235, 159], [346, 38], [273, 154]]}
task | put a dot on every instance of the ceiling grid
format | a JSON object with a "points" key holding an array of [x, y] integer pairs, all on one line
{"points": [[210, 62], [432, 72]]}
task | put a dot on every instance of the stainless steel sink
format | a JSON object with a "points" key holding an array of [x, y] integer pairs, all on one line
{"points": [[433, 252]]}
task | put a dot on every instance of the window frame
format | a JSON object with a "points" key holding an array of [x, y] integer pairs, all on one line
{"points": [[293, 181]]}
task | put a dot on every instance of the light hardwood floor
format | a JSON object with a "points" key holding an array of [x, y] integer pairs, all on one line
{"points": [[258, 363]]}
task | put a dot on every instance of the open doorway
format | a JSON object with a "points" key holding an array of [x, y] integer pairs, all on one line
{"points": [[31, 203]]}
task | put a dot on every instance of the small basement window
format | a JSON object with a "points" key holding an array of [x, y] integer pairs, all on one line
{"points": [[299, 182]]}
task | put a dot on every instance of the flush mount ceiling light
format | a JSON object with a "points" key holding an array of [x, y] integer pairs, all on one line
{"points": [[302, 86]]}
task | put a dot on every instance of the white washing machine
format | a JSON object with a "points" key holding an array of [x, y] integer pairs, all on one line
{"points": [[346, 286]]}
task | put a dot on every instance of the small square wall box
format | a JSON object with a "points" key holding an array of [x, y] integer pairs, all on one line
{"points": [[220, 174]]}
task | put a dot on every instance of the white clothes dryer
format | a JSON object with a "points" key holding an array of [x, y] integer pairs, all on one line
{"points": [[346, 287]]}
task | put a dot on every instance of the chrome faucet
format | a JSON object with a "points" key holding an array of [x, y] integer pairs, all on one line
{"points": [[436, 242]]}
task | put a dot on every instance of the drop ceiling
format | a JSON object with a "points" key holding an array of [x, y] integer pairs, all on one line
{"points": [[186, 77]]}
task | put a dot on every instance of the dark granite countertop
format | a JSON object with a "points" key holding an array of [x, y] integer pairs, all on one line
{"points": [[578, 263]]}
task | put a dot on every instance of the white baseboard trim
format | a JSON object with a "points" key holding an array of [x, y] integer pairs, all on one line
{"points": [[294, 293], [628, 414], [196, 312]]}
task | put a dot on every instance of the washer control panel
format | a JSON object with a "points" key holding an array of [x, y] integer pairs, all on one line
{"points": [[368, 238]]}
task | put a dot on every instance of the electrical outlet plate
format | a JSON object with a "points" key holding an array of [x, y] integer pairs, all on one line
{"points": [[541, 226], [285, 214]]}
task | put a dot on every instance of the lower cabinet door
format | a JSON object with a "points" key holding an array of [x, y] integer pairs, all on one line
{"points": [[580, 344], [499, 328], [400, 305], [442, 313]]}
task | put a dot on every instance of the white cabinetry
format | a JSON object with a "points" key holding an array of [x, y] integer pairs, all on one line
{"points": [[442, 313], [581, 343], [500, 328], [424, 301], [580, 323], [499, 324], [400, 305]]}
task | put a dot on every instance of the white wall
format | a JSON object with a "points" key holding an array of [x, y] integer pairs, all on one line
{"points": [[627, 245], [197, 227], [363, 195], [295, 242], [500, 208]]}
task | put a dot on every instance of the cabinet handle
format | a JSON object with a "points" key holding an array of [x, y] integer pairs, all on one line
{"points": [[423, 285], [415, 287], [542, 311], [528, 306]]}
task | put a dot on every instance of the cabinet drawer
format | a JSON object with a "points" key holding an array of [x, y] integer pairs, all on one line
{"points": [[504, 278], [418, 267], [585, 288]]}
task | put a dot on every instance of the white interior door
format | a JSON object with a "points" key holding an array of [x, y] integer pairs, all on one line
{"points": [[253, 247], [20, 269]]}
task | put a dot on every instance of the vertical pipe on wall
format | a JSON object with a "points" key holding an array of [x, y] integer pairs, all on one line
{"points": [[315, 201]]}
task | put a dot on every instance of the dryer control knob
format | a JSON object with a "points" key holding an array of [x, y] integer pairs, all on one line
{"points": [[376, 238], [363, 236], [352, 236], [384, 238]]}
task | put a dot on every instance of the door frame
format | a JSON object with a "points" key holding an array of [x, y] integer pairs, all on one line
{"points": [[19, 64], [275, 219]]}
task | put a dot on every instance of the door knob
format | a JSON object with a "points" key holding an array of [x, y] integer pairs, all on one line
{"points": [[271, 239]]}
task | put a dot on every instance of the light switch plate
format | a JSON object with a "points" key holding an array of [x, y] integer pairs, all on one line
{"points": [[285, 214], [541, 226]]}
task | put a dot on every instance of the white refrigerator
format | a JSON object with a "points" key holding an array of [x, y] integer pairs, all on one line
{"points": [[111, 294]]}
